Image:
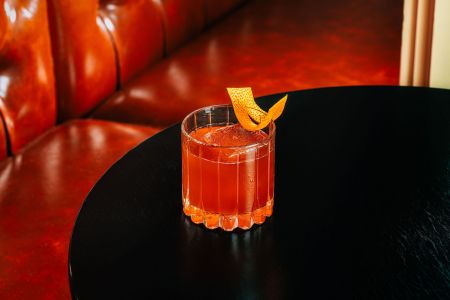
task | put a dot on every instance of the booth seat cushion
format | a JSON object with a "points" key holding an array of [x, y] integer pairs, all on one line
{"points": [[272, 46], [41, 191]]}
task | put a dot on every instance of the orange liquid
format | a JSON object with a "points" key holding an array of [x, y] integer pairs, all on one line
{"points": [[227, 188]]}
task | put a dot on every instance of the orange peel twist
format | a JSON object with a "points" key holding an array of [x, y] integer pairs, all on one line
{"points": [[249, 114]]}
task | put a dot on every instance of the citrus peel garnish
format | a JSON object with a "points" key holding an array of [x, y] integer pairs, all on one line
{"points": [[249, 114]]}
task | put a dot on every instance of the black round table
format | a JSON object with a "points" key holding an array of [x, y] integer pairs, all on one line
{"points": [[362, 210]]}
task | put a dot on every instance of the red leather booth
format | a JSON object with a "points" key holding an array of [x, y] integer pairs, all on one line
{"points": [[83, 82]]}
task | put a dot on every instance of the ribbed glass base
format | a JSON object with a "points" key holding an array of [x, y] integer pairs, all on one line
{"points": [[214, 220]]}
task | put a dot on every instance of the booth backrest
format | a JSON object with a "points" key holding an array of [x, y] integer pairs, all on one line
{"points": [[97, 46], [84, 57], [27, 93]]}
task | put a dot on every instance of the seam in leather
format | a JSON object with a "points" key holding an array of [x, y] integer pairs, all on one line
{"points": [[7, 137], [205, 15], [116, 53], [118, 76], [163, 19], [54, 27]]}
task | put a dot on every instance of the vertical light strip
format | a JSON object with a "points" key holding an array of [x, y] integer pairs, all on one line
{"points": [[408, 42], [424, 33], [417, 35], [201, 162], [187, 149], [219, 200], [237, 185]]}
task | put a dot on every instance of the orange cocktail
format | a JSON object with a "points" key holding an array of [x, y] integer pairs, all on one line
{"points": [[228, 172]]}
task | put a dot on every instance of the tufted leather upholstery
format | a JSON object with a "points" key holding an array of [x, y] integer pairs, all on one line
{"points": [[27, 94], [183, 19], [136, 28], [85, 62], [272, 46], [41, 190], [99, 45]]}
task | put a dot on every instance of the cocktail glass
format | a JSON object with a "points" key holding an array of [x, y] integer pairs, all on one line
{"points": [[227, 171]]}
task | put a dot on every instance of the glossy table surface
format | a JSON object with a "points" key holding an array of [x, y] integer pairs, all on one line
{"points": [[362, 210]]}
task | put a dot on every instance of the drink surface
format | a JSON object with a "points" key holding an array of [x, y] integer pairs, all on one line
{"points": [[228, 136], [228, 177]]}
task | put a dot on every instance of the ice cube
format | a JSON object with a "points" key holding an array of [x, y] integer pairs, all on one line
{"points": [[233, 136]]}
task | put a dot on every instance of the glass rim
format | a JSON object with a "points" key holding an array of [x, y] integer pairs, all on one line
{"points": [[252, 145]]}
